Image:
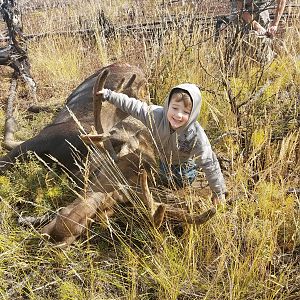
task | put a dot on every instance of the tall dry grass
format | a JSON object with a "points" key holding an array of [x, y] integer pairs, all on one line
{"points": [[249, 250]]}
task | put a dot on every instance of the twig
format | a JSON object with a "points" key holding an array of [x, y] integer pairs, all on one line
{"points": [[46, 285], [295, 191], [257, 95], [225, 134]]}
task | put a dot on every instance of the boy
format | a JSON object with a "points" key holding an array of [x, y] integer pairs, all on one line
{"points": [[182, 143]]}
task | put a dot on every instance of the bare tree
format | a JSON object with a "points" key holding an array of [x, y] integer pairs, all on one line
{"points": [[15, 56]]}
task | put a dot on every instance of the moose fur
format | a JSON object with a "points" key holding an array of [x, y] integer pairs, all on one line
{"points": [[118, 154], [55, 139], [110, 186]]}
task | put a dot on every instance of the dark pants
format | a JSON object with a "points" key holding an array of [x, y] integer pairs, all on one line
{"points": [[178, 175]]}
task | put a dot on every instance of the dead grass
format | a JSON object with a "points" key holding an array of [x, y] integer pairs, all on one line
{"points": [[249, 250]]}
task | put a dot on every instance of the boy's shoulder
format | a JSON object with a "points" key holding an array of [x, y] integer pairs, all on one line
{"points": [[193, 138], [156, 111], [154, 107], [199, 135]]}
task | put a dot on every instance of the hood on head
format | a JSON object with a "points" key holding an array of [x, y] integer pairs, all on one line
{"points": [[195, 95]]}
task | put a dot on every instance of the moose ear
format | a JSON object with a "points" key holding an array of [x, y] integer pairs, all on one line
{"points": [[140, 135], [129, 147]]}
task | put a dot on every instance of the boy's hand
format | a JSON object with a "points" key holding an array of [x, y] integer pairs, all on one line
{"points": [[101, 92], [105, 93], [218, 200]]}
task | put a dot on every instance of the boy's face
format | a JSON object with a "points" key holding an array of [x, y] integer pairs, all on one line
{"points": [[177, 114]]}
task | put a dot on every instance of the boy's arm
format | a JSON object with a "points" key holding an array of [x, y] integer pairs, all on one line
{"points": [[132, 106], [210, 165], [207, 160]]}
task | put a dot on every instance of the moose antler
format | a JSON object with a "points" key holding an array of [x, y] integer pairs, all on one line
{"points": [[98, 98], [98, 134], [157, 210]]}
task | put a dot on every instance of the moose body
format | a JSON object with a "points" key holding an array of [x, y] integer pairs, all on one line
{"points": [[55, 139], [122, 181], [114, 182], [115, 172]]}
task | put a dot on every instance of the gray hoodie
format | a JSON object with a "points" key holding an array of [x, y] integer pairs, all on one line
{"points": [[175, 147]]}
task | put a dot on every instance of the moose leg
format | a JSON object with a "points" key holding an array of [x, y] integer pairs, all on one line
{"points": [[103, 213], [184, 216], [74, 219]]}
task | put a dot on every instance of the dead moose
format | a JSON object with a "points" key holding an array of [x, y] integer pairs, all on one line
{"points": [[131, 154], [55, 140]]}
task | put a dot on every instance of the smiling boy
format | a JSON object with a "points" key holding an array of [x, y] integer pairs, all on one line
{"points": [[179, 110], [182, 143]]}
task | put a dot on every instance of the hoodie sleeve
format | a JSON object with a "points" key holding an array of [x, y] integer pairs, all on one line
{"points": [[134, 107], [207, 160]]}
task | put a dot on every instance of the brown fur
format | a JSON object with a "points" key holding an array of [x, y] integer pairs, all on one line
{"points": [[135, 155], [55, 139]]}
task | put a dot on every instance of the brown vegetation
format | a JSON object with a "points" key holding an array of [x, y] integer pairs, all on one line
{"points": [[249, 249], [135, 152]]}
